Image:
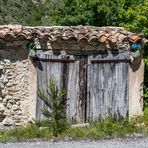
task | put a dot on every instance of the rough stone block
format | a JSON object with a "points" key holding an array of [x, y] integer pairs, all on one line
{"points": [[15, 107], [2, 107], [6, 112], [8, 121]]}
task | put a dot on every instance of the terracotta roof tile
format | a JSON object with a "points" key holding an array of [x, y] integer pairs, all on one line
{"points": [[115, 35]]}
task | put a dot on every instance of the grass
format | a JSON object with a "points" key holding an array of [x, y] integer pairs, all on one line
{"points": [[108, 128], [104, 129], [30, 132]]}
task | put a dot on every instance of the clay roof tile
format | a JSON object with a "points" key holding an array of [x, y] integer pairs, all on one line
{"points": [[103, 35]]}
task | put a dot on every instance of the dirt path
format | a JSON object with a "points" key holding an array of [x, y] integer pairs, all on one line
{"points": [[114, 143]]}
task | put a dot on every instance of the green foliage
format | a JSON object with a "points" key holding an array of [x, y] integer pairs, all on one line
{"points": [[88, 12], [57, 103], [108, 128], [135, 18], [104, 129], [26, 12], [29, 132], [16, 11], [129, 14]]}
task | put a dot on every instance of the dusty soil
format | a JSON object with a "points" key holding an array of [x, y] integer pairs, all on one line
{"points": [[113, 143]]}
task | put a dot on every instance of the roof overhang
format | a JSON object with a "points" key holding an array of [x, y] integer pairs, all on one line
{"points": [[111, 37]]}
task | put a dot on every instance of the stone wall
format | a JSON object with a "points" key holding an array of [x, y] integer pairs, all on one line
{"points": [[136, 81], [17, 87]]}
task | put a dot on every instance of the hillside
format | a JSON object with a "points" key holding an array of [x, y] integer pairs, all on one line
{"points": [[26, 12], [16, 11]]}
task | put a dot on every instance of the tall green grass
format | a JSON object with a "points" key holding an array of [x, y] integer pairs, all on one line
{"points": [[105, 129], [108, 128]]}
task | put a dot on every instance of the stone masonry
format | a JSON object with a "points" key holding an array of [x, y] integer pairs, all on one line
{"points": [[14, 90], [17, 107]]}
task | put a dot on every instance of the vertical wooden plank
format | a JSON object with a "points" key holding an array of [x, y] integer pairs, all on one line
{"points": [[54, 70], [122, 90], [83, 88], [72, 112], [64, 85], [42, 86], [77, 91], [39, 69]]}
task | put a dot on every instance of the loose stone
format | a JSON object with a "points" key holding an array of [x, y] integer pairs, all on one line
{"points": [[8, 121]]}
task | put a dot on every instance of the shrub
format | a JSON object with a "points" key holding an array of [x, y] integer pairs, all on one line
{"points": [[57, 104]]}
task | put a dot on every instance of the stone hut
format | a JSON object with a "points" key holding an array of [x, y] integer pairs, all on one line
{"points": [[101, 69]]}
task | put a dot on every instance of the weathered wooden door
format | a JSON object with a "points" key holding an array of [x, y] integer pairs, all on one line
{"points": [[107, 88], [95, 90], [70, 74]]}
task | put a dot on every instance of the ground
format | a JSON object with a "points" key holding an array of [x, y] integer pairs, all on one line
{"points": [[139, 142]]}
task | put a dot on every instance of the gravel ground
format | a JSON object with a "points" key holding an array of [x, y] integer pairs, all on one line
{"points": [[114, 143]]}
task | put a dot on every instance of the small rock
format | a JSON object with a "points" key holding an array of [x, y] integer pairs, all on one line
{"points": [[1, 85], [15, 107], [16, 99], [80, 125], [1, 67], [18, 113], [2, 107], [4, 100], [8, 121], [18, 123], [9, 84], [18, 103], [9, 77], [11, 101], [2, 117], [13, 113], [17, 117], [8, 71], [9, 105], [6, 112], [6, 60], [4, 93], [8, 97], [2, 77], [5, 80], [42, 128]]}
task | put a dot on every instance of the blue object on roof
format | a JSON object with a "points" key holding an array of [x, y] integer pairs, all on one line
{"points": [[135, 46]]}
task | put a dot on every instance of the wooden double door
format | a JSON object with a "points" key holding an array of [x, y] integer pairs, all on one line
{"points": [[95, 90]]}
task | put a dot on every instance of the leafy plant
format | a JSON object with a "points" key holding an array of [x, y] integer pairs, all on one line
{"points": [[56, 104]]}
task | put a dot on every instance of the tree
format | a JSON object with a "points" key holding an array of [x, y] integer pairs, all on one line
{"points": [[94, 12], [56, 101], [27, 12], [88, 12], [16, 11], [135, 18]]}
